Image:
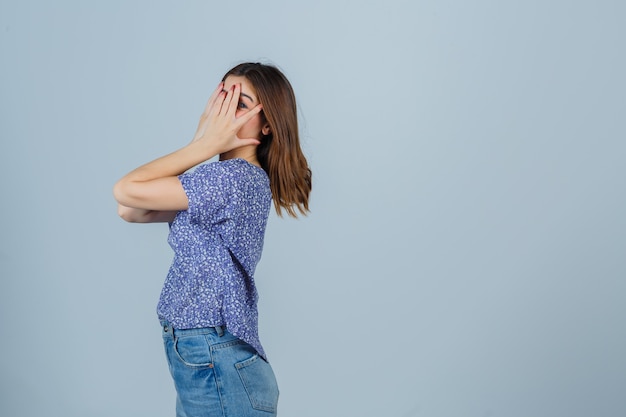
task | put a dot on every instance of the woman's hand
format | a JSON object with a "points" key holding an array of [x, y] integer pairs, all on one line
{"points": [[219, 124], [204, 118]]}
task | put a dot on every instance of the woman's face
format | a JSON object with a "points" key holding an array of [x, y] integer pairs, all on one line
{"points": [[247, 100]]}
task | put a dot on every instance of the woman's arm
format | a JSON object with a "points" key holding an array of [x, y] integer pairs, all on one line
{"points": [[155, 187], [134, 215]]}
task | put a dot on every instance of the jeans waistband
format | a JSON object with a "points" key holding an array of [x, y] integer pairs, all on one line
{"points": [[169, 330]]}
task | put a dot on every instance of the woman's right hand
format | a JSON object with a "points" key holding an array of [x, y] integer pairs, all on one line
{"points": [[204, 118], [219, 124]]}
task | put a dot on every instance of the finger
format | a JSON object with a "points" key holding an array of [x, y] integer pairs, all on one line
{"points": [[213, 97], [234, 104], [234, 100], [215, 108], [228, 99], [249, 115]]}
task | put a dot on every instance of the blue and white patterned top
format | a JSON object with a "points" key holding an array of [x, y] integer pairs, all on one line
{"points": [[217, 244]]}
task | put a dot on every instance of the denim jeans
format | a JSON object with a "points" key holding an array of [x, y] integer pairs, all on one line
{"points": [[218, 375]]}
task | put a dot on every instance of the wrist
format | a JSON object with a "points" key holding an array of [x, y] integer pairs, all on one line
{"points": [[201, 150]]}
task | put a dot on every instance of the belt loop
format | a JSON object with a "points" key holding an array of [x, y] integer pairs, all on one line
{"points": [[167, 327], [220, 330]]}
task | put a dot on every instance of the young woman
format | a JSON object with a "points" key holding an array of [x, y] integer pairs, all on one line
{"points": [[217, 215]]}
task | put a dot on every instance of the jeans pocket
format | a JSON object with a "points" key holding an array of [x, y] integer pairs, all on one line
{"points": [[193, 351], [259, 381]]}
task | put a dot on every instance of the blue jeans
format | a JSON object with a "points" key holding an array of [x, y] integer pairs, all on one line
{"points": [[217, 374]]}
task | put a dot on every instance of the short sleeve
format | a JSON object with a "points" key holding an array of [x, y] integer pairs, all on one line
{"points": [[206, 189]]}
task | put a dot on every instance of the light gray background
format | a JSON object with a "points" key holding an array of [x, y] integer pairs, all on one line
{"points": [[465, 251]]}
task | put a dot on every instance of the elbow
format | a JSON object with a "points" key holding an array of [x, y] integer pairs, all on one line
{"points": [[126, 213], [118, 192], [123, 210], [122, 192]]}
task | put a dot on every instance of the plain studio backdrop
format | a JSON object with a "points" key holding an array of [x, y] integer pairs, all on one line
{"points": [[465, 253]]}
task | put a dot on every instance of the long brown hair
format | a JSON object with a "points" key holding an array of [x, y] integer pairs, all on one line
{"points": [[279, 153]]}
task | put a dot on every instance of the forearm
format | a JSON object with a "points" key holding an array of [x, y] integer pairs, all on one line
{"points": [[155, 186], [171, 165], [134, 215]]}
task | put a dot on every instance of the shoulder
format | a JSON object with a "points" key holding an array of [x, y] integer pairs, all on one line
{"points": [[211, 173], [240, 169], [228, 174], [235, 166]]}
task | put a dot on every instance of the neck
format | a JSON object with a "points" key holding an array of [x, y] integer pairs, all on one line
{"points": [[245, 152]]}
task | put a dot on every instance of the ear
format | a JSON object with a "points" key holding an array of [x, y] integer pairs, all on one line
{"points": [[266, 130]]}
